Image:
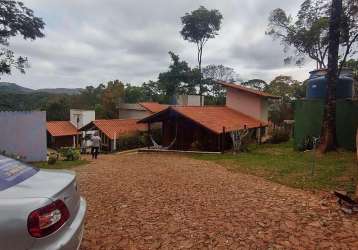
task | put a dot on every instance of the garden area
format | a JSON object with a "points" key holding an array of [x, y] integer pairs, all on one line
{"points": [[281, 163], [65, 158]]}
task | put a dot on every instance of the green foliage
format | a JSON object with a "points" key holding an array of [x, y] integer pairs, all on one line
{"points": [[58, 109], [61, 164], [198, 27], [111, 97], [52, 159], [70, 154], [215, 92], [289, 90], [308, 33], [279, 135], [176, 80], [353, 64], [286, 88], [257, 84], [132, 141], [13, 156], [282, 164], [16, 19]]}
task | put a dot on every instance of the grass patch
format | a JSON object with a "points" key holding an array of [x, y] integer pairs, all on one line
{"points": [[61, 164], [282, 164]]}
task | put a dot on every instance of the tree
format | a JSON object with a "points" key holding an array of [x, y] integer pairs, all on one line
{"points": [[213, 73], [16, 19], [308, 33], [111, 97], [58, 109], [175, 80], [289, 90], [285, 87], [152, 92], [353, 64], [89, 97], [198, 27], [328, 139], [257, 84], [133, 94]]}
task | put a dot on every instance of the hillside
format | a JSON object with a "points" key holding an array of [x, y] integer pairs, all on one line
{"points": [[13, 88], [8, 87], [61, 91]]}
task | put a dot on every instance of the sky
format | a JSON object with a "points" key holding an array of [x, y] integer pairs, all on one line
{"points": [[88, 42]]}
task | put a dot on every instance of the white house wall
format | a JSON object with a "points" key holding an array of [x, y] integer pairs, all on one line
{"points": [[24, 134]]}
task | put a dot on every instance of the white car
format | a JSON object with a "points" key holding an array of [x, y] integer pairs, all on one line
{"points": [[39, 209]]}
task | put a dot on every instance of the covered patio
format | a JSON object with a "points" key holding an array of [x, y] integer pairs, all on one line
{"points": [[205, 128]]}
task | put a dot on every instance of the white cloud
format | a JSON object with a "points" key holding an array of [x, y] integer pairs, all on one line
{"points": [[91, 41]]}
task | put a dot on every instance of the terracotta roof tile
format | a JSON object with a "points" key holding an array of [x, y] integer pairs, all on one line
{"points": [[214, 118], [118, 127], [252, 91], [153, 107], [61, 128]]}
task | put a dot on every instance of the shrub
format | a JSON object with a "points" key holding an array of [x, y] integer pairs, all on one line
{"points": [[280, 135], [70, 154], [131, 141], [52, 159]]}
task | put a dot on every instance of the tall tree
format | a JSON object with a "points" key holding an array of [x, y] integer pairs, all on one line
{"points": [[213, 73], [16, 19], [255, 84], [111, 97], [307, 34], [328, 131], [198, 27]]}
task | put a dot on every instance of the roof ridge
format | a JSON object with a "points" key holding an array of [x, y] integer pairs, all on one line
{"points": [[244, 88]]}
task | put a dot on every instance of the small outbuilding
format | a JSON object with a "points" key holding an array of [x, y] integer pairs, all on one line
{"points": [[61, 134], [111, 131]]}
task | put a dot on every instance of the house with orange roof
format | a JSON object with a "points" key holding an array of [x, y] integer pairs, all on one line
{"points": [[61, 134], [209, 128], [111, 131]]}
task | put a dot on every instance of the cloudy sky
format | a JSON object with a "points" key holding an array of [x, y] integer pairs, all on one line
{"points": [[90, 41]]}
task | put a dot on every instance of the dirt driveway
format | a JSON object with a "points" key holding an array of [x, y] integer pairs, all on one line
{"points": [[152, 201]]}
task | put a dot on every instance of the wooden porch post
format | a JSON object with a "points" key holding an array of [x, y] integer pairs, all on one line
{"points": [[219, 143], [223, 137], [259, 135], [149, 133]]}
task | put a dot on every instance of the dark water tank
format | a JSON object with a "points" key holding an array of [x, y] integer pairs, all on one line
{"points": [[316, 86]]}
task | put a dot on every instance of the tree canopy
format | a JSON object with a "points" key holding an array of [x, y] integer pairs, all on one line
{"points": [[307, 34], [198, 27], [16, 19]]}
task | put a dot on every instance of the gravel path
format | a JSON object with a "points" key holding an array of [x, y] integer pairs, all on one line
{"points": [[153, 201]]}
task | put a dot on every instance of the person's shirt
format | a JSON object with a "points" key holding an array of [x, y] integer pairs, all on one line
{"points": [[96, 141]]}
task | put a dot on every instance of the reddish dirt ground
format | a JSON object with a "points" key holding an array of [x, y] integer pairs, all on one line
{"points": [[156, 201]]}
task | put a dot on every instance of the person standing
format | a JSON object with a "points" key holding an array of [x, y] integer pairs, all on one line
{"points": [[96, 143]]}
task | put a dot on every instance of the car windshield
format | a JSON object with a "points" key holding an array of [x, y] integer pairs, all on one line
{"points": [[13, 172]]}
